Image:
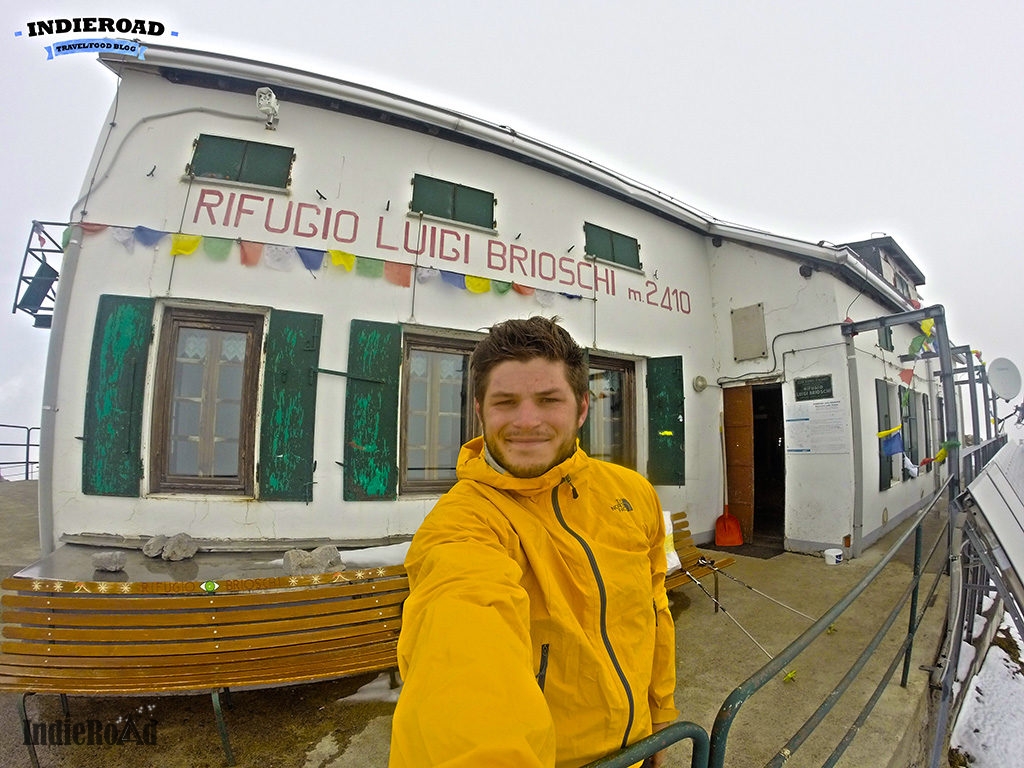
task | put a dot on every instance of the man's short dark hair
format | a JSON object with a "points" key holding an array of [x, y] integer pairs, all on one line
{"points": [[523, 340]]}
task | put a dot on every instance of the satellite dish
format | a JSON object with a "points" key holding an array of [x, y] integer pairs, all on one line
{"points": [[1004, 378]]}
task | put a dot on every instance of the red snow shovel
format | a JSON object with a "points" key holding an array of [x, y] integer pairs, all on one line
{"points": [[728, 532]]}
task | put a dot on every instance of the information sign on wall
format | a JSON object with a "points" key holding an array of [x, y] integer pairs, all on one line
{"points": [[813, 387]]}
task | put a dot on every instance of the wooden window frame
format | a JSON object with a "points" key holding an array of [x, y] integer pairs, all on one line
{"points": [[628, 370], [471, 425], [174, 319]]}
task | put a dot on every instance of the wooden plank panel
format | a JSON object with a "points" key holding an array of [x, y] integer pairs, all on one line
{"points": [[739, 455]]}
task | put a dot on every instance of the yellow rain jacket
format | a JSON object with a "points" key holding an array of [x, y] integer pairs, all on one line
{"points": [[537, 631]]}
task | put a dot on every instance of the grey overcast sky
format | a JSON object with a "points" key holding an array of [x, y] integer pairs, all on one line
{"points": [[812, 119]]}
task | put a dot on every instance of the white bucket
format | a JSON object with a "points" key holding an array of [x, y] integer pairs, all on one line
{"points": [[833, 556]]}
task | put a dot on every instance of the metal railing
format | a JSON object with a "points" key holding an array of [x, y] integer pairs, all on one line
{"points": [[975, 457], [16, 440], [710, 751], [730, 708], [36, 292]]}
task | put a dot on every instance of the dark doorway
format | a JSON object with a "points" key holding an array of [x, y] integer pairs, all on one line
{"points": [[769, 466]]}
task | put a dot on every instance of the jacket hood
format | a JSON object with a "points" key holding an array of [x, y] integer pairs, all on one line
{"points": [[473, 465]]}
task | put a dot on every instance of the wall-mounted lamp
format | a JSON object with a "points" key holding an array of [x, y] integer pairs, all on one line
{"points": [[806, 271], [699, 383], [266, 102]]}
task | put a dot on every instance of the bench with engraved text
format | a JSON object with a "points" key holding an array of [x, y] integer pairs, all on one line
{"points": [[121, 638]]}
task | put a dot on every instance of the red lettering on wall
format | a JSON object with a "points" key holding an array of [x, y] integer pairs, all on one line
{"points": [[496, 255], [208, 199], [298, 219], [380, 235], [270, 212], [518, 255], [580, 267], [453, 254], [421, 239], [545, 265], [242, 210], [570, 277], [338, 218]]}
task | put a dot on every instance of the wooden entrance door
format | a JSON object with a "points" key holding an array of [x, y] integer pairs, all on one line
{"points": [[739, 455]]}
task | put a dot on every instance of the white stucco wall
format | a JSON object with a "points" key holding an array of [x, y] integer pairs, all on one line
{"points": [[363, 169]]}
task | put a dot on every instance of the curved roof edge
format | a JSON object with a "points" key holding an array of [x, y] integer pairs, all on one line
{"points": [[504, 139]]}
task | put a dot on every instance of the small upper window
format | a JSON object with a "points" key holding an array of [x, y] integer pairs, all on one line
{"points": [[885, 338], [611, 246], [218, 157], [448, 200]]}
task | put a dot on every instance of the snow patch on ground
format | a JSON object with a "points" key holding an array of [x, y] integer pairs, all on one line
{"points": [[371, 557], [326, 749], [378, 689], [990, 727], [375, 557]]}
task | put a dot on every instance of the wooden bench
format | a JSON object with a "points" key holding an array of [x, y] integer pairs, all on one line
{"points": [[694, 561], [131, 638]]}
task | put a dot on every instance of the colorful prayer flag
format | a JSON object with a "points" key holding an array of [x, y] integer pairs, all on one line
{"points": [[312, 259], [148, 237], [184, 245], [217, 248], [343, 259], [454, 279], [892, 444], [279, 257], [369, 267], [398, 274], [251, 253]]}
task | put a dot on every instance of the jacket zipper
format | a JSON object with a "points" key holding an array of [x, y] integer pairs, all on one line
{"points": [[603, 595], [542, 674]]}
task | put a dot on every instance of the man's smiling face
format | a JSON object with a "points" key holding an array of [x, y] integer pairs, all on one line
{"points": [[530, 416]]}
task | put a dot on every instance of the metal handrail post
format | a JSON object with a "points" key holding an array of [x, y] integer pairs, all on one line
{"points": [[913, 606], [656, 742]]}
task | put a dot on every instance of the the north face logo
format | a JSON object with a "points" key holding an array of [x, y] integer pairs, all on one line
{"points": [[622, 505]]}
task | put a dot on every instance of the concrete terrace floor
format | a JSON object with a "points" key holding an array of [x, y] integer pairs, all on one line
{"points": [[317, 726]]}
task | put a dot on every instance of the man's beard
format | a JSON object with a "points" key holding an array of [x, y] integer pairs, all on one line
{"points": [[536, 469]]}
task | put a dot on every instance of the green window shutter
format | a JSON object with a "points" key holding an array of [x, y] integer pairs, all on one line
{"points": [[474, 206], [111, 452], [598, 242], [433, 197], [666, 463], [611, 246], [448, 200], [626, 250], [217, 157], [266, 164], [909, 420], [371, 411], [884, 423], [287, 419]]}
